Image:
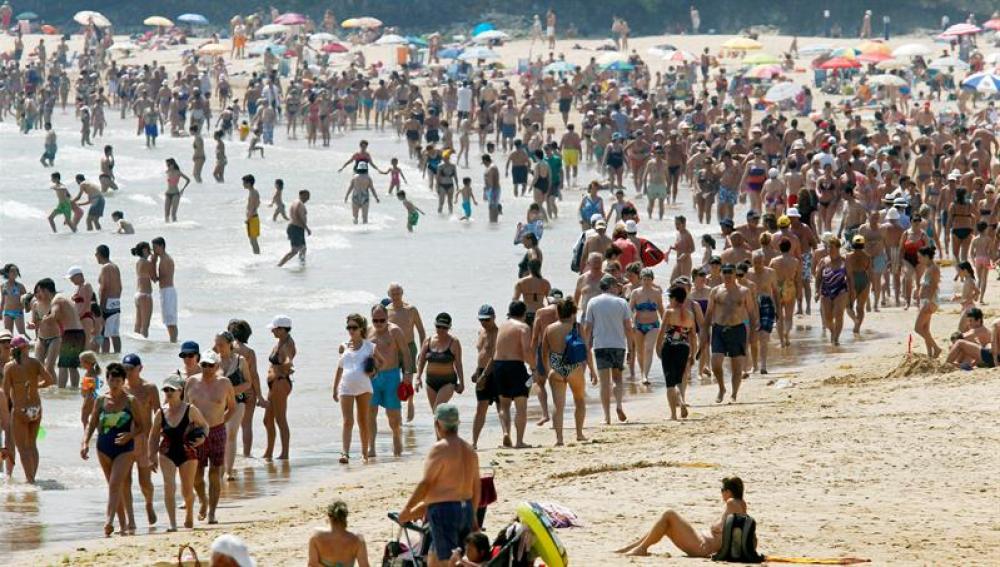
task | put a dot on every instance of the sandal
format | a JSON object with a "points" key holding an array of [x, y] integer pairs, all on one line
{"points": [[344, 459]]}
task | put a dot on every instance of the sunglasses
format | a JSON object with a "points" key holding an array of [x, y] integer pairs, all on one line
{"points": [[207, 365], [379, 320], [168, 390], [188, 354], [444, 327], [352, 327]]}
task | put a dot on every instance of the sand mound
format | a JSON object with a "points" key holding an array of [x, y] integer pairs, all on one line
{"points": [[910, 365], [588, 471]]}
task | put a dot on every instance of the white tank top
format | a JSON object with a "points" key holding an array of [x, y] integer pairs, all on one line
{"points": [[353, 380]]}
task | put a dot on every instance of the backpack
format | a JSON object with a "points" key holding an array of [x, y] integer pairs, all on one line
{"points": [[576, 348], [574, 263], [739, 541], [650, 254]]}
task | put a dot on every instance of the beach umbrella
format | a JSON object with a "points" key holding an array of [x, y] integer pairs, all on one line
{"points": [[290, 19], [193, 19], [840, 63], [845, 52], [213, 49], [451, 52], [85, 17], [123, 46], [874, 57], [961, 29], [912, 50], [490, 35], [414, 40], [892, 64], [872, 46], [49, 30], [760, 59], [661, 50], [765, 71], [679, 56], [782, 91], [993, 24], [984, 82], [887, 81], [559, 67], [362, 22], [949, 62], [260, 47], [618, 66], [612, 57], [323, 36], [158, 21], [334, 47], [391, 39], [742, 44], [26, 16], [482, 27], [477, 53], [271, 29], [816, 49]]}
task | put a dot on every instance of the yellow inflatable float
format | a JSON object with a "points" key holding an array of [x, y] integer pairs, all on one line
{"points": [[547, 545]]}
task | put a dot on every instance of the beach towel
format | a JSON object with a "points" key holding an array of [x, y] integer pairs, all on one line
{"points": [[817, 560]]}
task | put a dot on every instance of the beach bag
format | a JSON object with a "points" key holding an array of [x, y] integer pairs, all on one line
{"points": [[576, 348], [574, 263], [651, 254], [739, 541]]}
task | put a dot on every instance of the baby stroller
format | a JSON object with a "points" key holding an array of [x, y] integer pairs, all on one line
{"points": [[513, 547], [400, 552]]}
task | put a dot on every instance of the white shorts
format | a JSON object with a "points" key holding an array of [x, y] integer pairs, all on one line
{"points": [[112, 317], [551, 31], [168, 304]]}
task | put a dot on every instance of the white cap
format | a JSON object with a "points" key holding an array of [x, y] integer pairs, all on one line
{"points": [[74, 271], [793, 213], [955, 175], [209, 357], [595, 217], [630, 227], [892, 214], [772, 173], [233, 547], [280, 321]]}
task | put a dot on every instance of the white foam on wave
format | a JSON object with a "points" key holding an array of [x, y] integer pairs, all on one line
{"points": [[19, 210], [287, 299], [328, 241], [143, 199]]}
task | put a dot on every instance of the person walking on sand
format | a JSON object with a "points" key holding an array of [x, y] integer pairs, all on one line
{"points": [[683, 535], [391, 344], [214, 397], [449, 491], [352, 384], [297, 229], [486, 387], [608, 324], [729, 305], [22, 377], [163, 274], [252, 216], [564, 357], [145, 402], [513, 351]]}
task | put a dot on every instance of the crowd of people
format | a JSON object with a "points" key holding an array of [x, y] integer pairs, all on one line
{"points": [[835, 210]]}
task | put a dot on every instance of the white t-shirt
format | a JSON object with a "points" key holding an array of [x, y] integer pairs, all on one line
{"points": [[464, 99], [606, 315]]}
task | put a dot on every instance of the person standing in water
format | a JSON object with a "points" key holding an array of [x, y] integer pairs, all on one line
{"points": [[145, 273], [145, 402], [107, 177], [109, 282], [214, 397], [163, 274], [297, 229], [252, 218], [49, 155], [407, 318], [22, 377], [279, 385], [172, 198], [198, 159]]}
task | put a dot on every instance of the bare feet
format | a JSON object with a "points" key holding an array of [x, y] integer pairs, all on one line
{"points": [[189, 523], [108, 530], [684, 411], [543, 421], [212, 520], [150, 513], [202, 512], [506, 441], [344, 459], [621, 415], [638, 552], [523, 445], [581, 438], [722, 394]]}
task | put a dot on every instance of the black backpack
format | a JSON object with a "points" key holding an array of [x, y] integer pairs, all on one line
{"points": [[739, 541]]}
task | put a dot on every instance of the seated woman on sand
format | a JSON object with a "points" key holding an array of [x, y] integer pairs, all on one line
{"points": [[684, 536], [337, 547]]}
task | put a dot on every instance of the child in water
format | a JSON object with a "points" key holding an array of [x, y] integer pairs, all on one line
{"points": [[124, 227], [90, 384], [277, 202], [412, 212], [395, 174], [255, 143], [244, 130], [467, 198]]}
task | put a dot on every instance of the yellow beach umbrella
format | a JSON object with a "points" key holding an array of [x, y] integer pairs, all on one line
{"points": [[760, 59], [213, 49], [742, 44], [159, 21], [874, 48], [362, 22]]}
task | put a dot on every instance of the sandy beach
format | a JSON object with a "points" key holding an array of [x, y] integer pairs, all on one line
{"points": [[864, 451]]}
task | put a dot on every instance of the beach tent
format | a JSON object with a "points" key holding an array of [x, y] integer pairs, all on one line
{"points": [[983, 82], [912, 50], [782, 91], [158, 21], [193, 19]]}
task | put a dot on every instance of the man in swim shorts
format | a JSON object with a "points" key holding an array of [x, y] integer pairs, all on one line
{"points": [[297, 229], [163, 268], [731, 311], [608, 326], [109, 282], [407, 318], [64, 313], [252, 218], [391, 346], [213, 395], [513, 381]]}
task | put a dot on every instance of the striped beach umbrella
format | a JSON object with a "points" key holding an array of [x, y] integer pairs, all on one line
{"points": [[983, 82]]}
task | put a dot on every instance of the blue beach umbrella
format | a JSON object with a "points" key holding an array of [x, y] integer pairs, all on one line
{"points": [[451, 52], [412, 39], [560, 67], [618, 66], [984, 82], [194, 19], [26, 16], [481, 27]]}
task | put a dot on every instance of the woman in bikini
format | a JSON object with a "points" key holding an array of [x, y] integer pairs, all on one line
{"points": [[927, 292], [834, 289], [541, 180], [532, 289], [677, 343], [172, 198], [441, 356], [279, 385], [234, 367], [699, 296], [144, 273], [178, 428], [352, 383], [113, 418], [961, 223], [646, 302], [12, 292], [826, 193], [563, 373], [337, 547], [860, 276], [683, 535]]}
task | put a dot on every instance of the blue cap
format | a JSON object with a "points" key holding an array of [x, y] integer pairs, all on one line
{"points": [[188, 347], [131, 360], [385, 302], [486, 312]]}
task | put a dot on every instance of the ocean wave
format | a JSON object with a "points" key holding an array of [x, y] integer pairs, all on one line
{"points": [[19, 210]]}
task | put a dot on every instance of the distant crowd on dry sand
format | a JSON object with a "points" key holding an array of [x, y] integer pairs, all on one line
{"points": [[852, 178]]}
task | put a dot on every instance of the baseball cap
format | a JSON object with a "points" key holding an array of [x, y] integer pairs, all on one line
{"points": [[630, 227], [210, 357], [784, 221], [858, 239], [486, 312], [953, 176], [280, 322], [131, 360], [443, 320], [173, 382], [601, 224], [189, 347], [793, 213], [234, 548], [18, 342], [74, 271], [556, 293], [596, 217], [446, 414], [899, 202], [5, 336]]}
